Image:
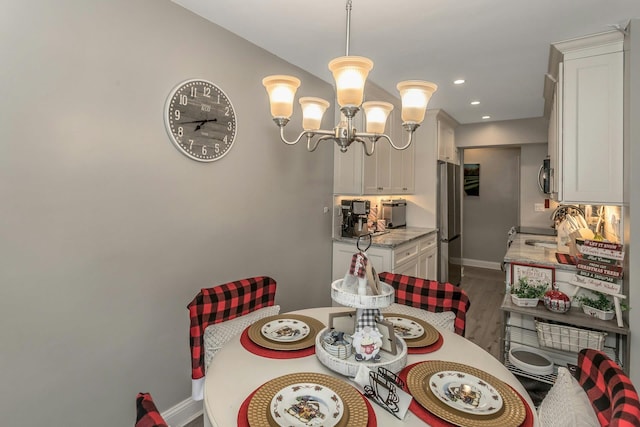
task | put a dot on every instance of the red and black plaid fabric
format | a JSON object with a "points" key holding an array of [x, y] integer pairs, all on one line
{"points": [[221, 303], [147, 414], [430, 295], [610, 391]]}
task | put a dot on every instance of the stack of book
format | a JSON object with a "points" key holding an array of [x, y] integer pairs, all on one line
{"points": [[599, 267]]}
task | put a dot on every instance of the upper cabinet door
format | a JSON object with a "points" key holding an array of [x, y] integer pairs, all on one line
{"points": [[387, 171], [447, 150], [592, 129], [586, 126]]}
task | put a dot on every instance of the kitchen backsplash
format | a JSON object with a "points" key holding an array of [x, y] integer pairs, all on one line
{"points": [[375, 203], [605, 219]]}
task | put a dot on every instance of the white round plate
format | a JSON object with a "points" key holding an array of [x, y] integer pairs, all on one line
{"points": [[306, 404], [465, 392], [406, 328], [285, 330]]}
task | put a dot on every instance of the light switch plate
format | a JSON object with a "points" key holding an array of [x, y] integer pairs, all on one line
{"points": [[539, 207]]}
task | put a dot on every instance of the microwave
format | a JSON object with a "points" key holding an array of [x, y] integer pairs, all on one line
{"points": [[544, 176]]}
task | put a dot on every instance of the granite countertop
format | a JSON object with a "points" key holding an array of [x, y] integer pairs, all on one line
{"points": [[395, 237], [520, 252]]}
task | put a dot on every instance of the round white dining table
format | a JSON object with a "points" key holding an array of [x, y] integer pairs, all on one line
{"points": [[235, 373]]}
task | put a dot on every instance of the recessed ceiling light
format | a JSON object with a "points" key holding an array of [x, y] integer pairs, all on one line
{"points": [[458, 82], [486, 117], [475, 102]]}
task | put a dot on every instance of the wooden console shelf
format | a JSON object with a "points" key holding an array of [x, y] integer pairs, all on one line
{"points": [[574, 317]]}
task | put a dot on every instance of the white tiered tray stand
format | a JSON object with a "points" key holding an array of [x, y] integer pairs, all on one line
{"points": [[349, 366]]}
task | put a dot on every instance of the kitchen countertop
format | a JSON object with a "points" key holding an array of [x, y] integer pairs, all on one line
{"points": [[395, 237], [520, 252]]}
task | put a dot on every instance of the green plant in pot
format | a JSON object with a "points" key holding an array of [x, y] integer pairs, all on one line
{"points": [[599, 305], [526, 294]]}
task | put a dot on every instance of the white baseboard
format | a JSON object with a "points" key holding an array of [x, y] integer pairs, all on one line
{"points": [[183, 413], [482, 264]]}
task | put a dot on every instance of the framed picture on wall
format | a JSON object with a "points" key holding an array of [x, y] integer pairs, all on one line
{"points": [[472, 179]]}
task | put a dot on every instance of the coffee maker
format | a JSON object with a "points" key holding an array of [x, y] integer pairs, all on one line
{"points": [[355, 214]]}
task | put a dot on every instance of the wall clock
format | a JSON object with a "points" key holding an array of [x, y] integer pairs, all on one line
{"points": [[200, 120]]}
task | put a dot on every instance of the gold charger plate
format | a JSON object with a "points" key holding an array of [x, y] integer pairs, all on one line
{"points": [[429, 337], [355, 409], [513, 411], [255, 333]]}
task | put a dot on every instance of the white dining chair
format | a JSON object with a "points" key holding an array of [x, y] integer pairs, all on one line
{"points": [[221, 312]]}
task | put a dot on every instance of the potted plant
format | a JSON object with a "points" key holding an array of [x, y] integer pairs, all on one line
{"points": [[599, 305], [525, 294]]}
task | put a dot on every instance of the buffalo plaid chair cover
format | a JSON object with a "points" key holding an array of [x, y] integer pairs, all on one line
{"points": [[610, 391], [430, 295], [221, 303], [147, 414]]}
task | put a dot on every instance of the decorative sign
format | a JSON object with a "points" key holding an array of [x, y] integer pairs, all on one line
{"points": [[535, 274], [599, 267]]}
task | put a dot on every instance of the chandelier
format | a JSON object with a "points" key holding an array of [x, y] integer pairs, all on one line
{"points": [[350, 75]]}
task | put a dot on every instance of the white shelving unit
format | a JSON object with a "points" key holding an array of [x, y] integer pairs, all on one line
{"points": [[516, 333]]}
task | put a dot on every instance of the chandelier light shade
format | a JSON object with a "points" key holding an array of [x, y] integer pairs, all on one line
{"points": [[350, 75], [376, 113], [415, 95], [282, 91], [312, 111]]}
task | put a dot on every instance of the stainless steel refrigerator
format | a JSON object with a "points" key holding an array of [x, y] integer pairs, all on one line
{"points": [[449, 213]]}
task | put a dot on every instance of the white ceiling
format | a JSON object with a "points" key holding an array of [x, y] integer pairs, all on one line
{"points": [[500, 47]]}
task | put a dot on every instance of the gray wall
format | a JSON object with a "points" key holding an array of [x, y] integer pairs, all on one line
{"points": [[502, 133], [488, 217], [491, 142], [632, 192], [107, 231]]}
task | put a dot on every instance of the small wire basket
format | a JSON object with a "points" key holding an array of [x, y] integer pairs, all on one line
{"points": [[568, 338]]}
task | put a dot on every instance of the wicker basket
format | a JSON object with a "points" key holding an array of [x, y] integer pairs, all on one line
{"points": [[568, 338]]}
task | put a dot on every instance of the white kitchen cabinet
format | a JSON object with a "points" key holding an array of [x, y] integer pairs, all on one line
{"points": [[417, 258], [586, 147], [377, 169], [440, 132], [342, 253], [408, 269], [428, 259], [402, 166], [387, 171], [447, 150]]}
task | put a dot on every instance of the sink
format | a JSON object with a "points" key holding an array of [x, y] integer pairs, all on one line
{"points": [[541, 243]]}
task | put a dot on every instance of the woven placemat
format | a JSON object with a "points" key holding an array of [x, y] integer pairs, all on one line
{"points": [[355, 414], [430, 336], [255, 333], [427, 349], [513, 411]]}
